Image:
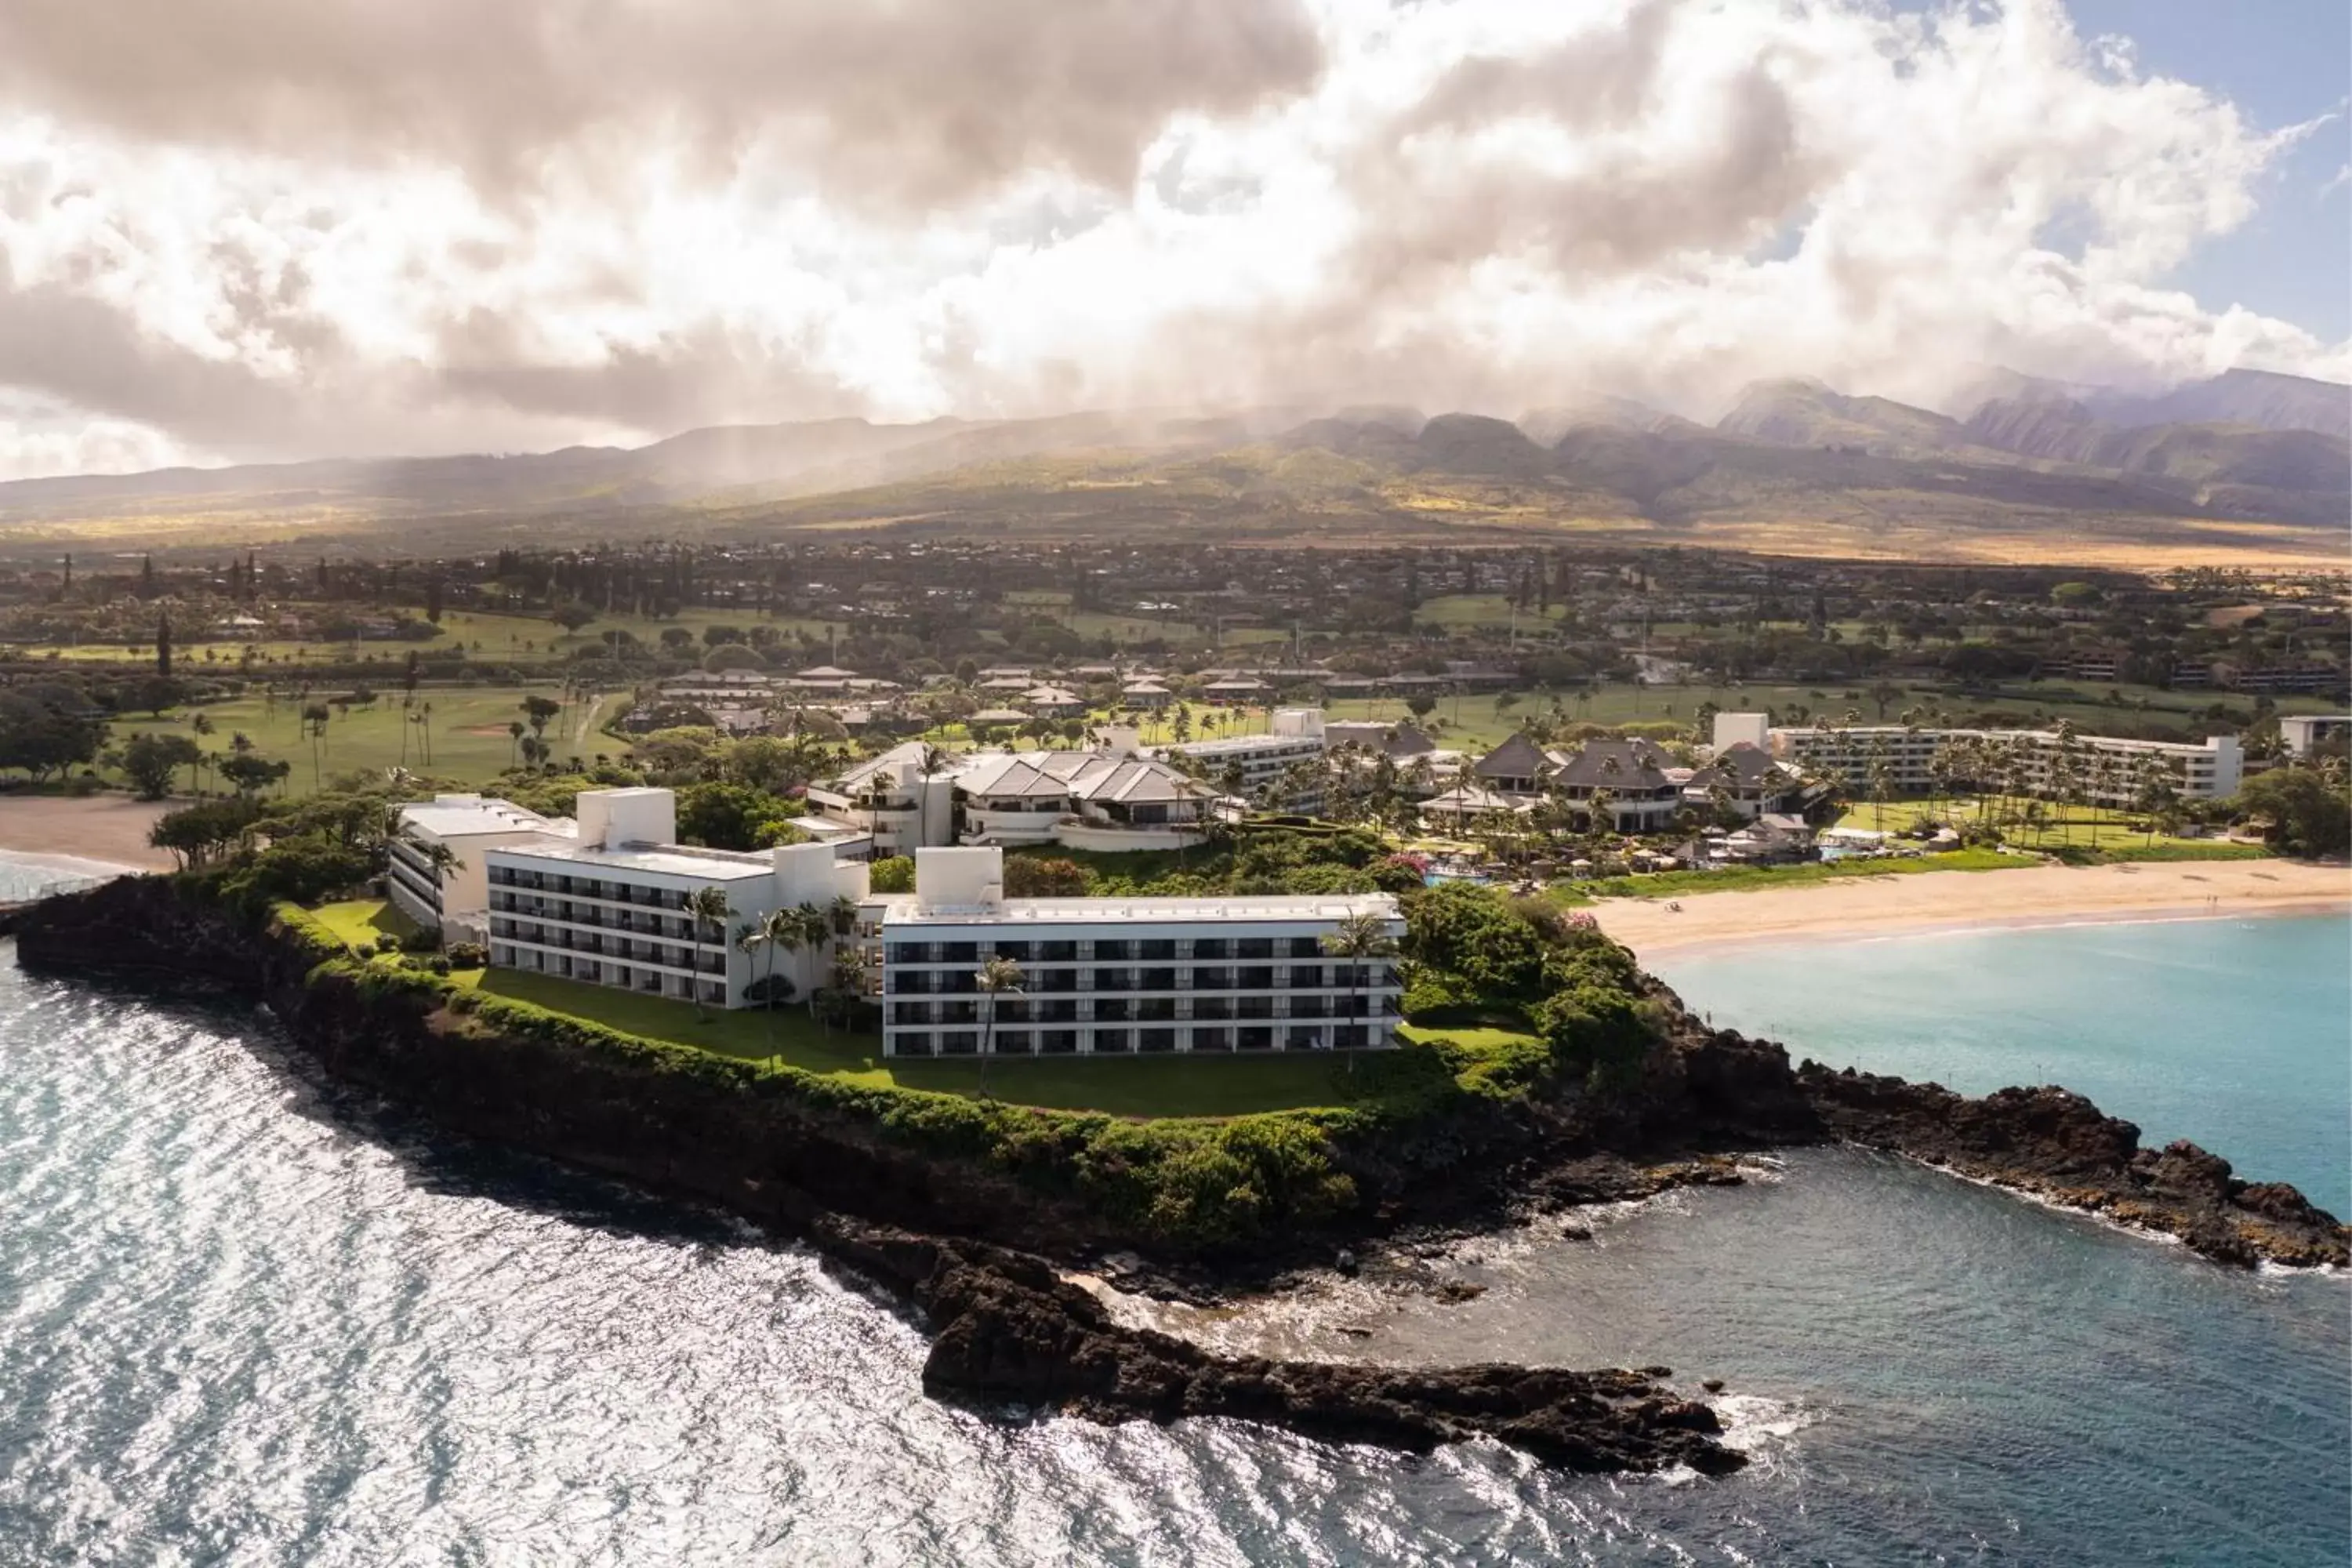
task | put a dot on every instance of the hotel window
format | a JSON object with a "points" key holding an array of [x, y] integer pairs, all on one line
{"points": [[1057, 1042], [916, 1044], [1254, 1037], [1115, 1040], [1213, 1039], [1157, 1040]]}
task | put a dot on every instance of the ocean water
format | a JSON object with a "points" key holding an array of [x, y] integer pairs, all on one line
{"points": [[248, 1318], [2234, 1033]]}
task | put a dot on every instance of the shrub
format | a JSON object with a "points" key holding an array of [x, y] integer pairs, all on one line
{"points": [[468, 955], [1040, 877]]}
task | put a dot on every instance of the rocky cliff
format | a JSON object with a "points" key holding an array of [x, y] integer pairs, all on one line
{"points": [[979, 1251]]}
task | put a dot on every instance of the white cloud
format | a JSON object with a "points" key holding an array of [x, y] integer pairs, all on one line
{"points": [[1459, 203]]}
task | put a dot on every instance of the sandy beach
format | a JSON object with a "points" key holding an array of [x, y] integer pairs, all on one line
{"points": [[109, 827], [1959, 900]]}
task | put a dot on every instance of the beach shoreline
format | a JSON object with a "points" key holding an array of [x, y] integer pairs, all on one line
{"points": [[110, 829], [1936, 903]]}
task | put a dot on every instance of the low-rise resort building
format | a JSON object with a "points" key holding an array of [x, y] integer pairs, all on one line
{"points": [[1122, 976], [616, 904], [1292, 735], [2053, 764], [612, 899]]}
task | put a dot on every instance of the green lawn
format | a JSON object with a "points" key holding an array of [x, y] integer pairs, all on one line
{"points": [[365, 921], [2120, 834], [1465, 610], [1747, 878], [1136, 1086], [468, 732]]}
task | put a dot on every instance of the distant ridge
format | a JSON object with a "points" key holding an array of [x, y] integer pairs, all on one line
{"points": [[2267, 449]]}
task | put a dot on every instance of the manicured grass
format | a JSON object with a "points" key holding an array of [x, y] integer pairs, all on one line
{"points": [[360, 920], [468, 728], [2116, 835], [1747, 878], [1463, 611], [1473, 1038], [2182, 849], [1138, 1086]]}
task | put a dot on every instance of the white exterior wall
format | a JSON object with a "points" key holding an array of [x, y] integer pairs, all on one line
{"points": [[2206, 771], [463, 891], [1261, 758], [1118, 977], [1732, 729], [618, 917]]}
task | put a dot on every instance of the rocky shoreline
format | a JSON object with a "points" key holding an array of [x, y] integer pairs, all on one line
{"points": [[981, 1257]]}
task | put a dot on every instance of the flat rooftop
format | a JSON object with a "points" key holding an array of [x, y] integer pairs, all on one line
{"points": [[671, 859], [488, 816], [1243, 744], [901, 909]]}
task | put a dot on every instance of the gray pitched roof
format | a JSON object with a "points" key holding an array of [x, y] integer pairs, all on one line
{"points": [[1516, 758], [1616, 764]]}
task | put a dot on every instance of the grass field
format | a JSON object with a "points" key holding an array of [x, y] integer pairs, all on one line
{"points": [[1747, 878], [468, 733], [360, 920], [2110, 832], [1132, 1086]]}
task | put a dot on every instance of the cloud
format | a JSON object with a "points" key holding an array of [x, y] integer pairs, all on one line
{"points": [[270, 229]]}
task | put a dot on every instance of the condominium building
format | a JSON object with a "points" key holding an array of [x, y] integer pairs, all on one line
{"points": [[452, 894], [1120, 976], [1294, 735], [2107, 769], [613, 904]]}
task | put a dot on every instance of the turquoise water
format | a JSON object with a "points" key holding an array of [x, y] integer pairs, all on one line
{"points": [[247, 1318], [2234, 1033]]}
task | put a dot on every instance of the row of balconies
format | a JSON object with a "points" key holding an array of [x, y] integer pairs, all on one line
{"points": [[1122, 1041], [1107, 951], [1074, 982], [686, 958], [587, 888], [592, 916], [1013, 1010]]}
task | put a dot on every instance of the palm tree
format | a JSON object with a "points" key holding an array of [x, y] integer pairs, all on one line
{"points": [[777, 931], [843, 913], [1358, 939], [514, 737], [815, 924], [997, 976], [438, 855], [707, 907]]}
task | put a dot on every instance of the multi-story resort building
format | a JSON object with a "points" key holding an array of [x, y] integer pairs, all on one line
{"points": [[1292, 735], [451, 895], [2104, 770], [1120, 976], [612, 904]]}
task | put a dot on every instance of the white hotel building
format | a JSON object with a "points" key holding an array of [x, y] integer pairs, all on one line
{"points": [[1294, 735], [2108, 766], [455, 901], [1120, 976], [604, 901]]}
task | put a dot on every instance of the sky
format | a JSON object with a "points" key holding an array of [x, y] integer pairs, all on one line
{"points": [[262, 230]]}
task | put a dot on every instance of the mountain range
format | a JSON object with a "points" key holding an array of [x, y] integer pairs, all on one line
{"points": [[2015, 455]]}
